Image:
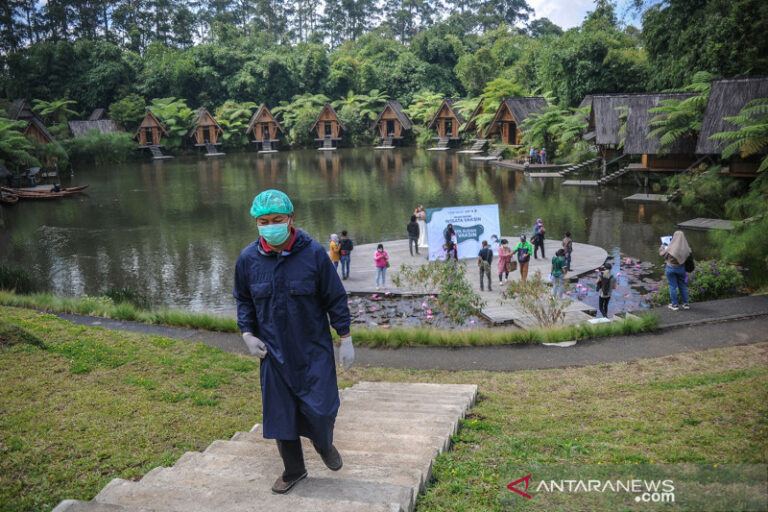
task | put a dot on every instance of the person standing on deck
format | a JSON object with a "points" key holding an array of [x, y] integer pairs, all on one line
{"points": [[287, 293], [413, 234], [335, 251], [538, 239], [568, 248], [346, 254], [484, 260], [421, 219], [523, 251]]}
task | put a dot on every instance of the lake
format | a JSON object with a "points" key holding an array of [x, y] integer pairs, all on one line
{"points": [[173, 229]]}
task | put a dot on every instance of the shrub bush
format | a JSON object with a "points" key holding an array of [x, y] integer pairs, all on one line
{"points": [[710, 280], [101, 148], [127, 295], [15, 279]]}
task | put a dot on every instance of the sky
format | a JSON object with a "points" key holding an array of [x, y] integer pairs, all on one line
{"points": [[570, 13]]}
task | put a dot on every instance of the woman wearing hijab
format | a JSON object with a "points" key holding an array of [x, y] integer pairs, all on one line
{"points": [[538, 239], [335, 251], [675, 255]]}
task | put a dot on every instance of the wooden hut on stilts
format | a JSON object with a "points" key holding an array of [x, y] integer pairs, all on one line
{"points": [[392, 124], [446, 122], [726, 99], [205, 132], [39, 134], [510, 115], [480, 141], [149, 134], [328, 128], [263, 128]]}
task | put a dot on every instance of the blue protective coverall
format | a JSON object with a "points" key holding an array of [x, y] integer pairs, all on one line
{"points": [[286, 300]]}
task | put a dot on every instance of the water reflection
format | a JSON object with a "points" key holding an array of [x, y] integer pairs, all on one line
{"points": [[174, 229]]}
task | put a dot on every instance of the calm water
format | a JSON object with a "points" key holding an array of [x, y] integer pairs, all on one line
{"points": [[173, 230]]}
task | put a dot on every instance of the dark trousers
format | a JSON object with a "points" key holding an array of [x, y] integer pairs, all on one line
{"points": [[603, 305], [413, 242], [345, 266], [567, 261], [293, 458], [485, 270], [536, 247]]}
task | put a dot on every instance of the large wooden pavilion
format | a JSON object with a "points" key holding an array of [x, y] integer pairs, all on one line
{"points": [[637, 142], [726, 98], [447, 120], [327, 127], [510, 115], [263, 128], [150, 131], [392, 122]]}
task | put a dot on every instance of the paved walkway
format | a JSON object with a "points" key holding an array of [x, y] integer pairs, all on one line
{"points": [[362, 277], [388, 435], [706, 325]]}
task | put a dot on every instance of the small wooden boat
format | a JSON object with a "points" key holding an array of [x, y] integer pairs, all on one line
{"points": [[43, 194], [8, 199]]}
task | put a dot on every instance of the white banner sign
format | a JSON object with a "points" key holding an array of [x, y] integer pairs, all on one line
{"points": [[472, 225]]}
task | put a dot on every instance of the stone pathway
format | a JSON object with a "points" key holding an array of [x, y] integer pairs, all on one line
{"points": [[586, 258], [388, 435]]}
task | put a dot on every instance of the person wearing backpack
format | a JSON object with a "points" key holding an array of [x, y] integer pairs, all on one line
{"points": [[606, 283], [675, 255], [523, 251], [484, 260], [346, 254]]}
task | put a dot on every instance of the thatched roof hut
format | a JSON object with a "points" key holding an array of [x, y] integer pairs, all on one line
{"points": [[205, 129], [98, 114], [510, 115], [327, 124], [472, 123], [37, 132], [636, 141], [150, 130], [604, 118], [447, 120], [80, 128], [21, 110], [726, 98], [263, 125], [392, 121]]}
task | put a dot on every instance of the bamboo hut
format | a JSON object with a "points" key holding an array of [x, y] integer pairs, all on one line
{"points": [[636, 141], [605, 122], [392, 122], [205, 130], [328, 127], [102, 125], [263, 128], [98, 114], [37, 132], [472, 123], [510, 115], [150, 131], [726, 98], [20, 110], [447, 121]]}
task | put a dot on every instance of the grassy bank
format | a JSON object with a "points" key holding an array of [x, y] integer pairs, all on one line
{"points": [[80, 406], [384, 338]]}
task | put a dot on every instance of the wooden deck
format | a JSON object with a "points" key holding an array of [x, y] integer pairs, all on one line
{"points": [[512, 164], [647, 198], [704, 224], [544, 175], [362, 278], [579, 183]]}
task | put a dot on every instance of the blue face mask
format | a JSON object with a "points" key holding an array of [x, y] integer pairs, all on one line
{"points": [[274, 234]]}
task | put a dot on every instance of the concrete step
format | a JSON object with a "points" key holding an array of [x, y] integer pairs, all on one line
{"points": [[393, 405], [186, 499], [345, 437], [315, 467], [422, 387], [406, 398], [92, 506], [253, 479], [352, 411], [418, 461], [390, 423]]}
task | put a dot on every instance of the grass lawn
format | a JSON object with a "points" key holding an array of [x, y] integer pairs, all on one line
{"points": [[90, 405]]}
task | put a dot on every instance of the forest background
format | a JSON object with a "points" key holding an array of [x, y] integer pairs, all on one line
{"points": [[208, 52]]}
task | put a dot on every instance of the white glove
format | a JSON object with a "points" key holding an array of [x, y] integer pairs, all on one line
{"points": [[346, 353], [255, 346]]}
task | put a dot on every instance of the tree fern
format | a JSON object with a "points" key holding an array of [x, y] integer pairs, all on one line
{"points": [[752, 135]]}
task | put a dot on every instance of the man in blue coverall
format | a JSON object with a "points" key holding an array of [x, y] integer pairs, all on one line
{"points": [[286, 291]]}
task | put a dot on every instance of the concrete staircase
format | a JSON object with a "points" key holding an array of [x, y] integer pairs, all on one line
{"points": [[211, 150], [388, 435], [157, 154]]}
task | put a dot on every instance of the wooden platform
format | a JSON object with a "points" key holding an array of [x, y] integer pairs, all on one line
{"points": [[704, 224], [384, 147], [647, 198], [437, 149], [469, 152], [262, 152], [326, 149], [511, 164], [544, 175], [579, 183], [362, 278]]}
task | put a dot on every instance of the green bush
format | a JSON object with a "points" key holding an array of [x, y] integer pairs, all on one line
{"points": [[101, 148], [710, 280], [129, 296], [15, 279]]}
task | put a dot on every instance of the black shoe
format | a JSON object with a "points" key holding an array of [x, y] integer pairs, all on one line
{"points": [[283, 485], [332, 458]]}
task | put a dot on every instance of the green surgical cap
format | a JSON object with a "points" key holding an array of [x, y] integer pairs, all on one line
{"points": [[271, 201]]}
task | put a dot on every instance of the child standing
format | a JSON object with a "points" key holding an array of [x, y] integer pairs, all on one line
{"points": [[382, 262]]}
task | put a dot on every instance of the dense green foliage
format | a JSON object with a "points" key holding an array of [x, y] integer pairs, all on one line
{"points": [[101, 148], [15, 279]]}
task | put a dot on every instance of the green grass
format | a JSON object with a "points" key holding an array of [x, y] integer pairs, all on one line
{"points": [[80, 406], [385, 338]]}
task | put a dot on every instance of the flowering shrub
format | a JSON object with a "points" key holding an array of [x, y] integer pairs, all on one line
{"points": [[710, 280]]}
